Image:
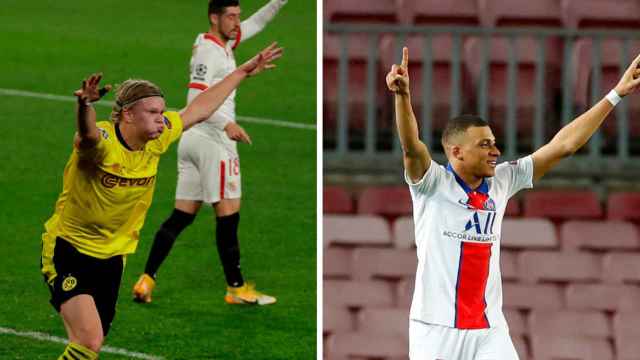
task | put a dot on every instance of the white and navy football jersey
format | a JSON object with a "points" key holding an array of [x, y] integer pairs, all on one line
{"points": [[457, 231]]}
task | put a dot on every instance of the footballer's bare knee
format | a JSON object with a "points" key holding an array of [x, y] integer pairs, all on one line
{"points": [[226, 207]]}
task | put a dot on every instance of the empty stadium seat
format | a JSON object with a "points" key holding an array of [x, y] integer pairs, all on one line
{"points": [[600, 235], [403, 234], [336, 319], [610, 75], [441, 85], [404, 292], [357, 294], [624, 206], [602, 297], [601, 14], [437, 12], [383, 263], [387, 321], [388, 201], [593, 324], [626, 334], [548, 347], [357, 52], [370, 345], [528, 234], [336, 200], [350, 230], [513, 207], [621, 267], [497, 85], [557, 266], [516, 322], [508, 265], [337, 263], [352, 11], [526, 297], [562, 204], [496, 13], [521, 346]]}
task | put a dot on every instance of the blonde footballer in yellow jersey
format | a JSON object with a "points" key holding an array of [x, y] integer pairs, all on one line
{"points": [[107, 189]]}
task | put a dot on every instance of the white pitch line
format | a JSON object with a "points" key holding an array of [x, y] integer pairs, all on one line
{"points": [[57, 339], [249, 119]]}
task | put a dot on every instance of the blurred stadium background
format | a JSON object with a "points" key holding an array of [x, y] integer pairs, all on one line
{"points": [[571, 248], [48, 47]]}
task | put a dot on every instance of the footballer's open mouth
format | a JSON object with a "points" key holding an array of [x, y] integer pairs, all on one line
{"points": [[492, 163]]}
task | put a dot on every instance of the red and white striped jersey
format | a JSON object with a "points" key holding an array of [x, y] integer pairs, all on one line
{"points": [[457, 231]]}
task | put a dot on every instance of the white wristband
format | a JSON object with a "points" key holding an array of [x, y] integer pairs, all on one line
{"points": [[613, 97]]}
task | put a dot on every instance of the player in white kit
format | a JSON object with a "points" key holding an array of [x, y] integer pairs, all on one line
{"points": [[456, 312], [208, 163]]}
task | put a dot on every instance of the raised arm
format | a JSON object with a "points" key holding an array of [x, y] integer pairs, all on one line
{"points": [[207, 102], [256, 22], [87, 135], [575, 134], [415, 154]]}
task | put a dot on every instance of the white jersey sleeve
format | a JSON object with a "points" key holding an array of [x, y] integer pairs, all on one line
{"points": [[516, 175], [256, 22], [429, 182]]}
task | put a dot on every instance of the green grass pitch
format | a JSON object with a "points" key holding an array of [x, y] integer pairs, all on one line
{"points": [[48, 47]]}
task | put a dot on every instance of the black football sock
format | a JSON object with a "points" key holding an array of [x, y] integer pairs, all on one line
{"points": [[164, 239], [228, 248]]}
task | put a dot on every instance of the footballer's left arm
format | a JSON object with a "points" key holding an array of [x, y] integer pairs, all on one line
{"points": [[575, 134], [207, 102], [256, 22]]}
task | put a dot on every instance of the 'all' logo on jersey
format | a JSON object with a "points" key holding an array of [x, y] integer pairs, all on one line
{"points": [[482, 224]]}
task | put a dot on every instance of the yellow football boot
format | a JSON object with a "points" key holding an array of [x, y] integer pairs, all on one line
{"points": [[247, 294], [143, 288]]}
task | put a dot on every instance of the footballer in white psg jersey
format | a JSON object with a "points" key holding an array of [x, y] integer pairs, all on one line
{"points": [[456, 312]]}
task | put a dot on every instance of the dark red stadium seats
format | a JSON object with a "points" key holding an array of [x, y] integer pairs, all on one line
{"points": [[437, 12], [599, 235], [388, 201], [526, 57], [562, 204], [626, 335], [601, 14], [621, 267], [356, 97], [336, 200], [513, 207], [624, 206], [365, 345], [353, 11], [496, 13], [603, 297], [352, 230], [441, 82], [549, 347], [508, 265], [383, 263], [336, 319], [516, 321], [611, 72], [528, 234], [403, 234], [557, 266]]}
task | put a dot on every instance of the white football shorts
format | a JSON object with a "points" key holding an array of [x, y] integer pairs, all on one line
{"points": [[208, 170], [436, 342]]}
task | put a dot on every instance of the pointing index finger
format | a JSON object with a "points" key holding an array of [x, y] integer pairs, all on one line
{"points": [[405, 57]]}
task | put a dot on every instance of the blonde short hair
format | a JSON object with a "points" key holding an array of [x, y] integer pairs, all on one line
{"points": [[130, 92]]}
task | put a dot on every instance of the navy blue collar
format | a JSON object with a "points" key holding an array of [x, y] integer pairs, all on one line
{"points": [[483, 188], [120, 138]]}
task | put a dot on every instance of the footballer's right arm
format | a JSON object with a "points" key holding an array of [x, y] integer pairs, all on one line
{"points": [[88, 135], [415, 154]]}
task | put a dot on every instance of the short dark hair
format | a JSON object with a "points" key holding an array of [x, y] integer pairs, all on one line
{"points": [[217, 6], [460, 124]]}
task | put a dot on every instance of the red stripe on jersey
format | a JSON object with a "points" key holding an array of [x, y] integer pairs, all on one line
{"points": [[214, 39], [222, 173], [198, 86], [473, 272]]}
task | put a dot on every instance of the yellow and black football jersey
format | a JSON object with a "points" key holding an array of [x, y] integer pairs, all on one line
{"points": [[106, 193]]}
